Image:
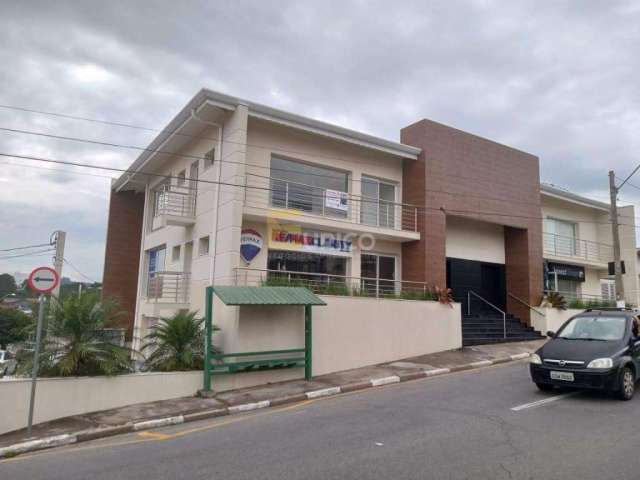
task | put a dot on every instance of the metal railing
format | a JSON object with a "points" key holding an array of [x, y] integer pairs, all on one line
{"points": [[522, 302], [504, 314], [584, 300], [178, 200], [327, 284], [564, 246], [168, 287], [267, 192]]}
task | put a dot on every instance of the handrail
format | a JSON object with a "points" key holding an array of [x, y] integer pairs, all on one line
{"points": [[519, 300], [504, 314]]}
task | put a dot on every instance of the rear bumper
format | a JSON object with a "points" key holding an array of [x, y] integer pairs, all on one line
{"points": [[583, 378]]}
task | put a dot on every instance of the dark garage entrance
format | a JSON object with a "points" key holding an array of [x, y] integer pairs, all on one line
{"points": [[485, 279]]}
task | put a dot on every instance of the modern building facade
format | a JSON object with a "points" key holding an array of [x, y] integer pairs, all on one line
{"points": [[234, 192], [578, 247]]}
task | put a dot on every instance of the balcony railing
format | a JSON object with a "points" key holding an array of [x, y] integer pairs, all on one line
{"points": [[326, 284], [266, 192], [175, 201], [585, 300], [168, 287], [563, 246]]}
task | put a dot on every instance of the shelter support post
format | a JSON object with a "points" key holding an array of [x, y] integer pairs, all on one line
{"points": [[208, 343], [307, 342]]}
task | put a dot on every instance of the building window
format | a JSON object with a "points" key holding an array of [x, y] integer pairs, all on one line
{"points": [[306, 262], [159, 196], [155, 266], [608, 289], [156, 260], [175, 253], [563, 238], [378, 273], [182, 178], [209, 158], [309, 188], [377, 203], [203, 246]]}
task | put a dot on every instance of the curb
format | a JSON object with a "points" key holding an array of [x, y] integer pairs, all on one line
{"points": [[104, 432]]}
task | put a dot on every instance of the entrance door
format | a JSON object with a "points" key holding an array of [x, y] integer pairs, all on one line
{"points": [[492, 287], [485, 279]]}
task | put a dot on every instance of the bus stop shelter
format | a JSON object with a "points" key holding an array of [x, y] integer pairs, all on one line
{"points": [[215, 364]]}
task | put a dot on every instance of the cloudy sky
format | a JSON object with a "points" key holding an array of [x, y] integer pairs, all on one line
{"points": [[557, 79]]}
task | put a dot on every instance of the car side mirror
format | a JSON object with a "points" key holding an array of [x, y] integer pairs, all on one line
{"points": [[551, 333]]}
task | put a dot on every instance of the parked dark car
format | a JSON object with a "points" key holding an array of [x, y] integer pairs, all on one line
{"points": [[596, 349]]}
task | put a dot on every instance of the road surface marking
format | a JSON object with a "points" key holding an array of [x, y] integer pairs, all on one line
{"points": [[154, 435], [544, 401]]}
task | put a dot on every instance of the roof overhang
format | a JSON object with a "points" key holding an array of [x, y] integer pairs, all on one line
{"points": [[564, 195], [211, 105]]}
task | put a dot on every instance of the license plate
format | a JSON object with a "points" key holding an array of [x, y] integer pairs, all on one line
{"points": [[565, 376]]}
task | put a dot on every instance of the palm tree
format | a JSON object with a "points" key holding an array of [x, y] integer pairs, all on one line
{"points": [[176, 343], [76, 343]]}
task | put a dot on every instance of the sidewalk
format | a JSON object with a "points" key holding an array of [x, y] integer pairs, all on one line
{"points": [[143, 416]]}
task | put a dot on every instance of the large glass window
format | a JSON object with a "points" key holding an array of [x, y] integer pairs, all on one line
{"points": [[306, 262], [378, 274], [377, 203], [309, 188], [563, 236]]}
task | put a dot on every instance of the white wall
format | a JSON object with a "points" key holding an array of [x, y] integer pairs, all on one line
{"points": [[349, 332], [553, 318], [352, 332], [474, 240]]}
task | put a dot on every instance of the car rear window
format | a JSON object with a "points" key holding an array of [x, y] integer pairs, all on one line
{"points": [[594, 328]]}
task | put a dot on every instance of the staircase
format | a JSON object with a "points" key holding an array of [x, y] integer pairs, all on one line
{"points": [[486, 327]]}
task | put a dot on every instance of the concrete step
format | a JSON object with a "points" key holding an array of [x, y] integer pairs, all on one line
{"points": [[495, 328], [532, 335], [486, 340]]}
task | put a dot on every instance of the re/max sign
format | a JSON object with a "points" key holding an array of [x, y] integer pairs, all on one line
{"points": [[317, 240]]}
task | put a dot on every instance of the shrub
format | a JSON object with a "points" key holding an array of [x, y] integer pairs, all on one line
{"points": [[176, 343], [75, 344]]}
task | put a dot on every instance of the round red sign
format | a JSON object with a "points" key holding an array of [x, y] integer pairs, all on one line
{"points": [[43, 279]]}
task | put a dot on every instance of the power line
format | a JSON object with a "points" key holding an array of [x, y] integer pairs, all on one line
{"points": [[78, 271], [85, 165], [34, 254], [175, 132], [61, 170], [25, 247], [197, 157]]}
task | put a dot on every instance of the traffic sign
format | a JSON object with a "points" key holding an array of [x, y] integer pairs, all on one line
{"points": [[43, 279]]}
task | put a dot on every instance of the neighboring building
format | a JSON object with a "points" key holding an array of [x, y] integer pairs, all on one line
{"points": [[317, 202], [578, 246]]}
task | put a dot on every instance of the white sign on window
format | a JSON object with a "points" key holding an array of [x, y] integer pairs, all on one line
{"points": [[336, 199]]}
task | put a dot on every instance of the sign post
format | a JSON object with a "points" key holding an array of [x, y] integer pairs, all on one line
{"points": [[42, 280]]}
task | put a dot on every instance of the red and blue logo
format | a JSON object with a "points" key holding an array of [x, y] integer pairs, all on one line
{"points": [[250, 244]]}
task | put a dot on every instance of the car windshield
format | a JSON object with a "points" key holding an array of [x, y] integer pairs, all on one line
{"points": [[593, 328]]}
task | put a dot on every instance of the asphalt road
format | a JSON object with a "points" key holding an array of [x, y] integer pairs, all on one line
{"points": [[454, 427]]}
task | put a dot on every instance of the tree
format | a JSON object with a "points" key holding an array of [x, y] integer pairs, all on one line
{"points": [[15, 326], [7, 284], [77, 344], [176, 343]]}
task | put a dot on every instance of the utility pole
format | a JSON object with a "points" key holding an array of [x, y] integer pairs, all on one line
{"points": [[613, 190], [59, 238]]}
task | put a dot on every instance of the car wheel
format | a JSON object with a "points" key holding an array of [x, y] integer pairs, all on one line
{"points": [[545, 387], [627, 385]]}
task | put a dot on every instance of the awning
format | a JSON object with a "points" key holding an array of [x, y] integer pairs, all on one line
{"points": [[267, 296]]}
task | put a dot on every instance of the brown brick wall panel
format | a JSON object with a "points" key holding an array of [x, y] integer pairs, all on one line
{"points": [[122, 254], [473, 177]]}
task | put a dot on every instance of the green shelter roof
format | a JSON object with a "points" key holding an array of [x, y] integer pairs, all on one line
{"points": [[267, 296]]}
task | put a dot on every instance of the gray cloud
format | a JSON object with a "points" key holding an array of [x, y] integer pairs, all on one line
{"points": [[557, 79]]}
